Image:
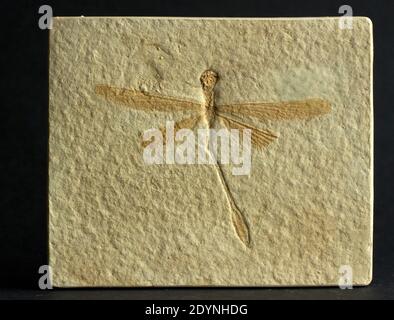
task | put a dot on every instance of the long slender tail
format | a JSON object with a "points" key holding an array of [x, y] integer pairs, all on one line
{"points": [[239, 222]]}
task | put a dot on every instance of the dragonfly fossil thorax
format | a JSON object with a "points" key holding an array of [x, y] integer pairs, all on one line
{"points": [[230, 116], [208, 81]]}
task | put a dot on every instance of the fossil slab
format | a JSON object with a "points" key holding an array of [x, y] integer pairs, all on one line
{"points": [[301, 216]]}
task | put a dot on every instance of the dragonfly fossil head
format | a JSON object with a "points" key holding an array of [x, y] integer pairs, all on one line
{"points": [[208, 79]]}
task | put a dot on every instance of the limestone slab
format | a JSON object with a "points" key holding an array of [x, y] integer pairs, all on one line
{"points": [[304, 86]]}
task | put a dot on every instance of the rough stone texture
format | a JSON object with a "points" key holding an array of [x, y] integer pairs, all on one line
{"points": [[115, 221]]}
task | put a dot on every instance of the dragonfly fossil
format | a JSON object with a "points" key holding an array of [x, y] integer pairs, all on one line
{"points": [[208, 113]]}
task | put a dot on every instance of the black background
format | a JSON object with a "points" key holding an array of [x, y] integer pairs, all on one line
{"points": [[24, 110]]}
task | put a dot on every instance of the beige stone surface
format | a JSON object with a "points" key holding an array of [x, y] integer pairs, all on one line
{"points": [[115, 221]]}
